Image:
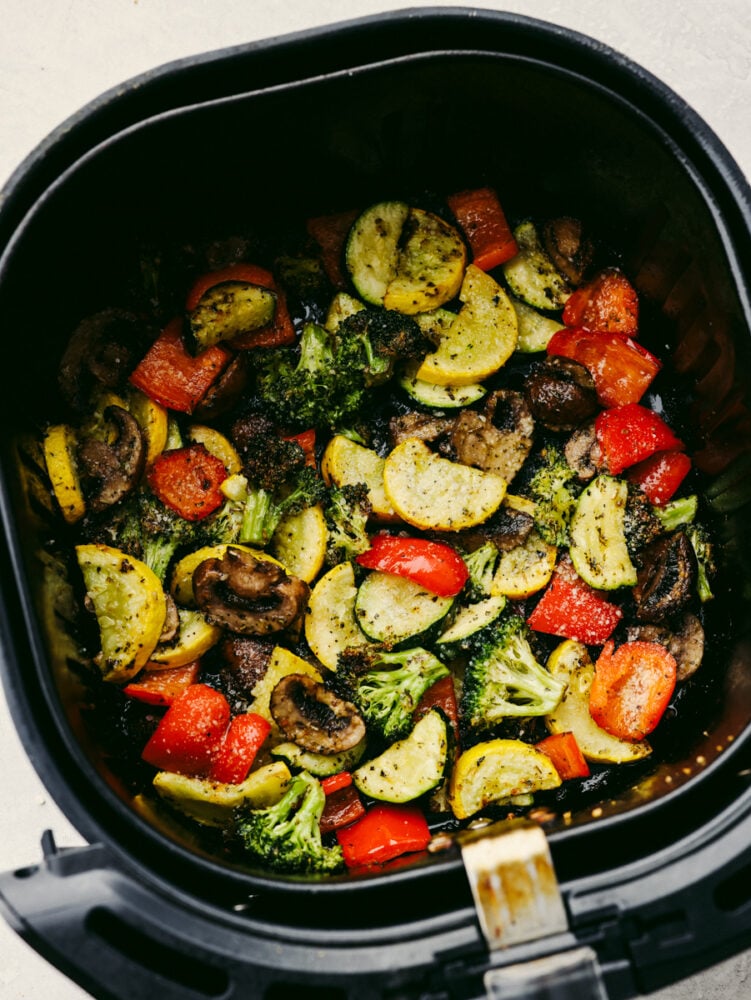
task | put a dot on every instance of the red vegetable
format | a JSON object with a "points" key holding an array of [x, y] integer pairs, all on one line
{"points": [[187, 480], [161, 687], [565, 754], [277, 333], [241, 744], [330, 232], [307, 441], [622, 370], [441, 695], [660, 475], [608, 303], [336, 782], [383, 833], [481, 217], [190, 732], [631, 688], [171, 376], [572, 609], [629, 434], [437, 567], [342, 807]]}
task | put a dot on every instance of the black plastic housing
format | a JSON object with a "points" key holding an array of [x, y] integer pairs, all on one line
{"points": [[424, 100]]}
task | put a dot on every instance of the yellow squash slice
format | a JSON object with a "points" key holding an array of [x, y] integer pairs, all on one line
{"points": [[345, 463], [569, 662], [216, 444], [497, 771], [299, 542], [195, 637], [59, 457], [525, 569], [431, 492], [130, 608], [282, 663], [481, 338], [213, 802], [330, 624]]}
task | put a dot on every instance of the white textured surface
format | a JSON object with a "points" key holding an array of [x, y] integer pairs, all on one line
{"points": [[56, 55]]}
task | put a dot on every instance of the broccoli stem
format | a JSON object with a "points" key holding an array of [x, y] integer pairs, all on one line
{"points": [[260, 518]]}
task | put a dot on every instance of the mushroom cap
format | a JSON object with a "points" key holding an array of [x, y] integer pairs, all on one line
{"points": [[314, 717]]}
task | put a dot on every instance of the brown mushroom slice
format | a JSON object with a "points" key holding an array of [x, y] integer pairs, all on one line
{"points": [[665, 581], [313, 717], [561, 393], [498, 440], [248, 595], [245, 660], [686, 644], [225, 391], [116, 467], [568, 247], [582, 452], [420, 425], [171, 621]]}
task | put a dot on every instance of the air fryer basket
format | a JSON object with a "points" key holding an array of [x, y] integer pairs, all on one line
{"points": [[236, 141]]}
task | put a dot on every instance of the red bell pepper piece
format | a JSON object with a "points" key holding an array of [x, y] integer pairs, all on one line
{"points": [[629, 434], [170, 375], [572, 609], [383, 833], [622, 370], [161, 687], [330, 232], [342, 807], [441, 695], [483, 222], [565, 754], [631, 688], [242, 741], [279, 332], [336, 782], [660, 475], [608, 303], [188, 481], [190, 732], [437, 567]]}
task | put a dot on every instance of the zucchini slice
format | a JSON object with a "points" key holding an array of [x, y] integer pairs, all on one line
{"points": [[330, 624], [471, 618], [320, 765], [531, 274], [481, 338], [535, 330], [404, 258], [597, 539], [343, 305], [392, 609], [410, 767], [212, 803], [228, 309], [497, 771], [569, 662], [442, 397]]}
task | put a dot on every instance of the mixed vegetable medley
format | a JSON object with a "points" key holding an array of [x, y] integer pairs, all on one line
{"points": [[379, 540]]}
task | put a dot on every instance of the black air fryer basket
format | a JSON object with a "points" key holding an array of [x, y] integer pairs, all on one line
{"points": [[652, 878]]}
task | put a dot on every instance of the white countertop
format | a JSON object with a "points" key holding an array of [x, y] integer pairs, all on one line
{"points": [[56, 55]]}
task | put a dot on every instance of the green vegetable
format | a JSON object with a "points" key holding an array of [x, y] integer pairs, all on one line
{"points": [[676, 513], [705, 562], [287, 836], [384, 337], [503, 678], [346, 510], [555, 500]]}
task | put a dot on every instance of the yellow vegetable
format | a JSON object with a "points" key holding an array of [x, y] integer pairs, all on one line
{"points": [[59, 456], [525, 569], [282, 663], [345, 463], [217, 445], [130, 608], [299, 542], [481, 338], [213, 802], [153, 420], [181, 584], [431, 492], [330, 624], [570, 662], [496, 771], [195, 637]]}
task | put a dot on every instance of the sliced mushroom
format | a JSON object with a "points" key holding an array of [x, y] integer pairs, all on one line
{"points": [[171, 621], [314, 717], [686, 644], [226, 390], [244, 662], [507, 529], [248, 595], [420, 425], [561, 393], [115, 468], [498, 440], [568, 246], [582, 452], [665, 581]]}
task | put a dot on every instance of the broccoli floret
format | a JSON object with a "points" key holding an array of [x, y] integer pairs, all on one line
{"points": [[554, 498], [347, 510], [676, 513], [323, 388], [705, 561], [287, 836], [481, 565], [387, 697], [385, 337], [503, 678]]}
